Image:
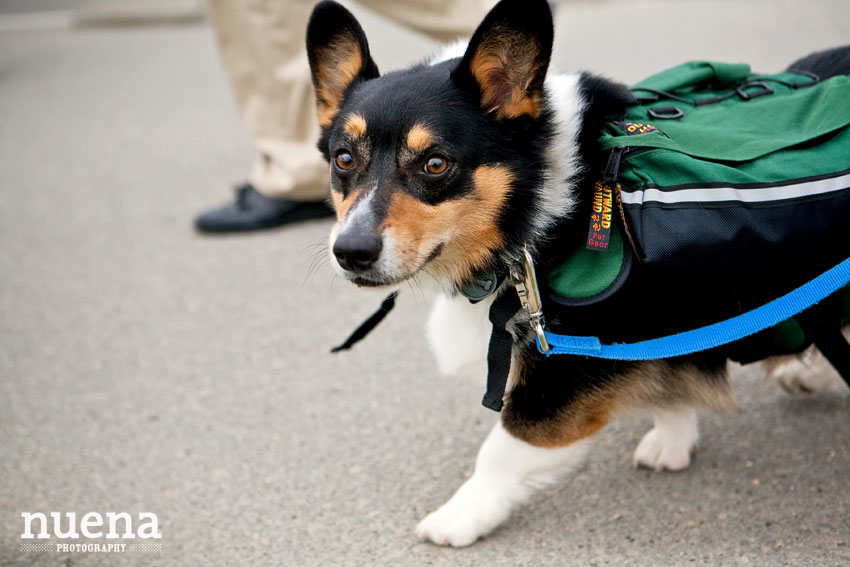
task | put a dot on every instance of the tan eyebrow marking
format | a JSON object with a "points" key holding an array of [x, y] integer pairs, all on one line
{"points": [[419, 138], [355, 126]]}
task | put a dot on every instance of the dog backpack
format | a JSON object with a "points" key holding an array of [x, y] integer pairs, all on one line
{"points": [[720, 166], [716, 168]]}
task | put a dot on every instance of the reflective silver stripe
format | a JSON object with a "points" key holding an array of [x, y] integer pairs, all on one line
{"points": [[757, 195]]}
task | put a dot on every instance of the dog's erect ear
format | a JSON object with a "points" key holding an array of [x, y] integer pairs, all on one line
{"points": [[339, 56], [508, 56]]}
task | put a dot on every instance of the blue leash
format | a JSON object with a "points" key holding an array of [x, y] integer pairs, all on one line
{"points": [[710, 336]]}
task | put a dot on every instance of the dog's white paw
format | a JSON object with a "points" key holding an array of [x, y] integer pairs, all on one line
{"points": [[507, 472], [454, 524], [670, 444], [804, 374], [658, 452], [477, 508]]}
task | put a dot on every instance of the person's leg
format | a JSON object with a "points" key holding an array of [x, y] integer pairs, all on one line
{"points": [[443, 20], [261, 45]]}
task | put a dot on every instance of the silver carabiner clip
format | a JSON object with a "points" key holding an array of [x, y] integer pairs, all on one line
{"points": [[529, 296]]}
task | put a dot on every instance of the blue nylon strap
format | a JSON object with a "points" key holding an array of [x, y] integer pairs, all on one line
{"points": [[710, 336]]}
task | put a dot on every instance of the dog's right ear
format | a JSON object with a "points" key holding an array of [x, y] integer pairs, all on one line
{"points": [[507, 58], [339, 57]]}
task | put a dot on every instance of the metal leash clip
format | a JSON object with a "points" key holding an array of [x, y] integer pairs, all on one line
{"points": [[529, 296]]}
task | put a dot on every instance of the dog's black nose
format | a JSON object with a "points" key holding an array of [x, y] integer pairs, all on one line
{"points": [[357, 252]]}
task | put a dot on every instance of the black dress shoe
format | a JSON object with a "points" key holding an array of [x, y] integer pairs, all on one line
{"points": [[253, 211]]}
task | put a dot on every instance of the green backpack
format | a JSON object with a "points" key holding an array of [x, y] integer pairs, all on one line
{"points": [[716, 167], [716, 158]]}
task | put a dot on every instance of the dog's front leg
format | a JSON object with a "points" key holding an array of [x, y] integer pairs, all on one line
{"points": [[507, 472]]}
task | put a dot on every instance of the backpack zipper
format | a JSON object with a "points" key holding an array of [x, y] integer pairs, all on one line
{"points": [[612, 168], [611, 174]]}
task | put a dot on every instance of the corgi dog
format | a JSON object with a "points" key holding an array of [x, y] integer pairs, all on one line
{"points": [[462, 164]]}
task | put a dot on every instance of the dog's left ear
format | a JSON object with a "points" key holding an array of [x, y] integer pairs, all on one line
{"points": [[507, 58], [339, 57]]}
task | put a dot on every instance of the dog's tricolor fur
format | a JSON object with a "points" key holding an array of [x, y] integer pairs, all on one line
{"points": [[454, 166]]}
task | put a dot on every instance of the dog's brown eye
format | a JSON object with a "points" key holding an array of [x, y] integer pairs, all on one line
{"points": [[344, 161], [436, 165]]}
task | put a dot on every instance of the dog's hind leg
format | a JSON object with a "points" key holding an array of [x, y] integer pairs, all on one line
{"points": [[507, 472], [671, 442], [672, 390], [803, 373]]}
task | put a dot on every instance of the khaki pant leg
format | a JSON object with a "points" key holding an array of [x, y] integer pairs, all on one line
{"points": [[444, 20], [261, 44]]}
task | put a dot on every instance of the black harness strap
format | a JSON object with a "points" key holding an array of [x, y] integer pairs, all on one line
{"points": [[499, 352], [366, 327]]}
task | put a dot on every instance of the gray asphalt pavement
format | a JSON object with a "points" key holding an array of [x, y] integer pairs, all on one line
{"points": [[145, 368]]}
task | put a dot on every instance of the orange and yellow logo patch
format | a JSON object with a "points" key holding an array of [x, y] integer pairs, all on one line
{"points": [[599, 234]]}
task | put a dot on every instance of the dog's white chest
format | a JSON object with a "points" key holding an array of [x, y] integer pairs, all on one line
{"points": [[459, 333]]}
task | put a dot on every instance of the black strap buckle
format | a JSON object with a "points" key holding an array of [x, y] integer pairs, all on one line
{"points": [[666, 112], [746, 91]]}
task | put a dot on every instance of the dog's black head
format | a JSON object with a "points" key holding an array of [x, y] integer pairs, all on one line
{"points": [[434, 168]]}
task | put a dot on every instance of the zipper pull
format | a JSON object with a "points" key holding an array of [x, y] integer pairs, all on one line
{"points": [[612, 169]]}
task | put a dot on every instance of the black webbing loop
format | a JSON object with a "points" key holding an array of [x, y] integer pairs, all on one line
{"points": [[499, 352], [366, 327]]}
